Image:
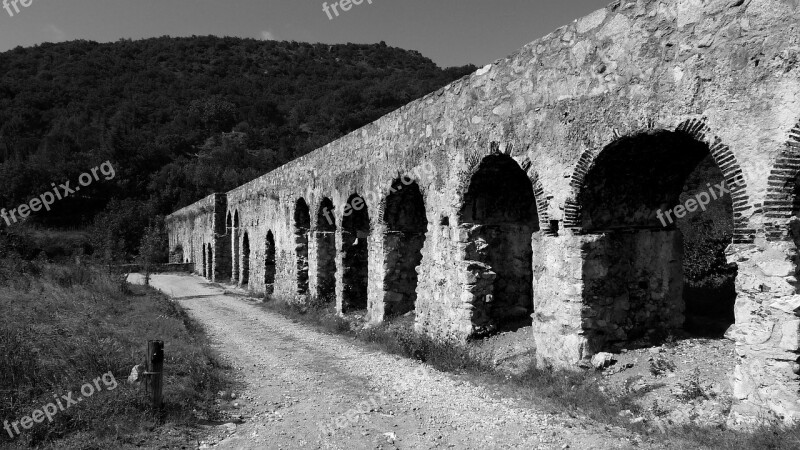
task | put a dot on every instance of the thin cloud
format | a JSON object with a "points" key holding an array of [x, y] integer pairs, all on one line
{"points": [[54, 34]]}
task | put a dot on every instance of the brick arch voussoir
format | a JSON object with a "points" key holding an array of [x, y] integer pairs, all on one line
{"points": [[731, 171], [313, 210], [540, 196], [782, 202], [723, 156], [383, 198]]}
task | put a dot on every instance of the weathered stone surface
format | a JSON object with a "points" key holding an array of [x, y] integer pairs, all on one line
{"points": [[789, 305], [710, 73], [777, 268]]}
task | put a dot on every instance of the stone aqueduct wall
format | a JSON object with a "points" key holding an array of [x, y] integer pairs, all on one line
{"points": [[716, 75]]}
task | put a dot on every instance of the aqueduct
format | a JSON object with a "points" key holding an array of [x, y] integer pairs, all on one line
{"points": [[548, 169]]}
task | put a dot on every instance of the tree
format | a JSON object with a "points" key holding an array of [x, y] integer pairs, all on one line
{"points": [[153, 248]]}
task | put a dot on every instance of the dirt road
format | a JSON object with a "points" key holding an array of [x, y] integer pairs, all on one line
{"points": [[300, 384]]}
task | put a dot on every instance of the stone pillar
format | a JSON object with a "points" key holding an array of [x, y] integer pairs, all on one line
{"points": [[377, 295], [339, 270], [313, 264], [221, 271], [444, 307], [765, 381], [302, 270], [558, 300]]}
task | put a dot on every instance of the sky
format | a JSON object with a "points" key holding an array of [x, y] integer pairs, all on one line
{"points": [[450, 32]]}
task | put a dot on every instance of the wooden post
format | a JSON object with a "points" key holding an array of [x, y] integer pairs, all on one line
{"points": [[155, 372]]}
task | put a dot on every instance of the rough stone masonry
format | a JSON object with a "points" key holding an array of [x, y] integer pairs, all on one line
{"points": [[550, 166]]}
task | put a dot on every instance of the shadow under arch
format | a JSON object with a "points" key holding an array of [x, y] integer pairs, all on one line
{"points": [[635, 202], [245, 278], [404, 237], [325, 239], [498, 217], [355, 254], [269, 263]]}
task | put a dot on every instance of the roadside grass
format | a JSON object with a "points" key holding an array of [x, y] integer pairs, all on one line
{"points": [[579, 394], [65, 325]]}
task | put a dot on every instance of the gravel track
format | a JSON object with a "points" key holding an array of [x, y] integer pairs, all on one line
{"points": [[296, 378]]}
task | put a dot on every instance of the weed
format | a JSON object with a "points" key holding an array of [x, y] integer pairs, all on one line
{"points": [[692, 388], [660, 366], [658, 410]]}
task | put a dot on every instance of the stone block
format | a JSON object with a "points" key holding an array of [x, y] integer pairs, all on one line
{"points": [[790, 335], [591, 21], [789, 305], [776, 268], [751, 333], [602, 360]]}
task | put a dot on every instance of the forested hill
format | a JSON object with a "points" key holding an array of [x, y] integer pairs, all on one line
{"points": [[180, 118]]}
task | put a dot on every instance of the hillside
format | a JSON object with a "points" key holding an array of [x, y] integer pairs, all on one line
{"points": [[180, 118]]}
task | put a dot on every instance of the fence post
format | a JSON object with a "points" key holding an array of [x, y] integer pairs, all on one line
{"points": [[155, 372]]}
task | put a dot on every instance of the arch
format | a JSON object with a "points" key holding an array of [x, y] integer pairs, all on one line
{"points": [[355, 253], [223, 246], [406, 225], [698, 131], [176, 255], [205, 270], [783, 189], [235, 273], [245, 279], [210, 253], [548, 227], [302, 227], [499, 215], [269, 263], [325, 238], [655, 229]]}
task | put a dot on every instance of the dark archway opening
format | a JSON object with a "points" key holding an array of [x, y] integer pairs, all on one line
{"points": [[637, 199], [245, 260], [210, 253], [176, 255], [223, 248], [325, 237], [269, 263], [355, 251], [499, 217], [235, 242], [205, 261], [406, 225], [709, 289], [302, 226]]}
